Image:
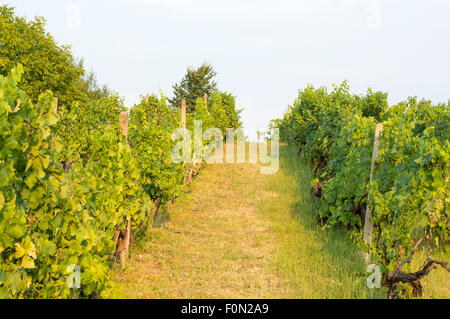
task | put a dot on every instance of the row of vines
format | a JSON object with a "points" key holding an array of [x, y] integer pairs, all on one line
{"points": [[70, 180], [408, 194]]}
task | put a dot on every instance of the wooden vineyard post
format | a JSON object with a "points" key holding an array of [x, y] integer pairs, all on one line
{"points": [[289, 109], [205, 99], [368, 227], [55, 105], [183, 121], [55, 110], [183, 114], [147, 97], [123, 122]]}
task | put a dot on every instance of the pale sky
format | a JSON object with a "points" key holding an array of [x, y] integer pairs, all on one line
{"points": [[263, 51]]}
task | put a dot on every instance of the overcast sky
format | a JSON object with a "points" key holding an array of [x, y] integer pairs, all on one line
{"points": [[263, 51]]}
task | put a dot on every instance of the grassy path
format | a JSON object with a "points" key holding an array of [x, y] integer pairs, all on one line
{"points": [[240, 234], [215, 245]]}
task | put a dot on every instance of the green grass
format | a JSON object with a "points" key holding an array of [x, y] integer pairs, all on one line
{"points": [[437, 284], [240, 234], [312, 263], [335, 268]]}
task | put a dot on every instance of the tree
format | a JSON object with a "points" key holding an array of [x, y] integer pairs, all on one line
{"points": [[47, 66], [233, 114], [89, 86], [194, 85]]}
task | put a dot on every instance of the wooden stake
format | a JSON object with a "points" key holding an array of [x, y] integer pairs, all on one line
{"points": [[122, 256], [127, 239], [147, 97], [55, 110], [205, 99], [289, 109], [183, 114], [55, 105], [368, 227], [123, 123]]}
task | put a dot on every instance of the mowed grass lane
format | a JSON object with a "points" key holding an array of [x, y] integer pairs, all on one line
{"points": [[239, 234]]}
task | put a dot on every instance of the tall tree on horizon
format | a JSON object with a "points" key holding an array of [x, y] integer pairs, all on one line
{"points": [[195, 83]]}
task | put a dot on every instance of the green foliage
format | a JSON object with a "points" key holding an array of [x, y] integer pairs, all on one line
{"points": [[69, 179], [373, 104], [335, 131], [201, 113], [347, 173], [150, 136], [51, 219], [218, 114], [233, 114], [83, 121], [220, 107], [47, 66], [410, 187], [194, 85]]}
